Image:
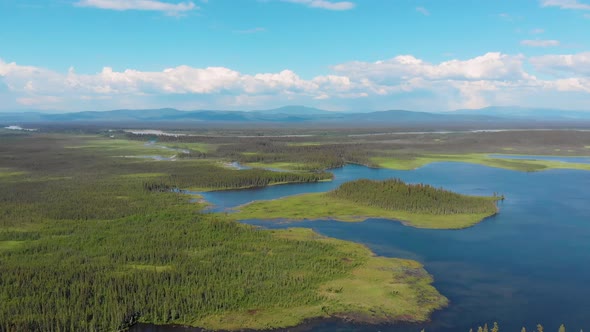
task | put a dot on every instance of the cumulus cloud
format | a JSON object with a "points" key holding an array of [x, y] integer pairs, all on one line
{"points": [[563, 64], [570, 84], [490, 79], [565, 4], [488, 67], [540, 42], [151, 5], [325, 4]]}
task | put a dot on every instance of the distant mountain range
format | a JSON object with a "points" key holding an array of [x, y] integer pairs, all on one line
{"points": [[302, 114], [532, 113]]}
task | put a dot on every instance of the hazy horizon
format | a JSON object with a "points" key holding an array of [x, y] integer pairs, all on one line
{"points": [[464, 110]]}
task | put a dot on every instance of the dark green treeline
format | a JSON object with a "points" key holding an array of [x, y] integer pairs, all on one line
{"points": [[496, 328], [417, 198], [85, 247]]}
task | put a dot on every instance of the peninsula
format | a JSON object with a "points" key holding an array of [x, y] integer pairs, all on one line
{"points": [[416, 205]]}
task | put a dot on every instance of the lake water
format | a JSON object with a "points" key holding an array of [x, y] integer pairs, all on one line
{"points": [[529, 264]]}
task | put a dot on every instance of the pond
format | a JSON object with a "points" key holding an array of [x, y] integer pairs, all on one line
{"points": [[529, 264]]}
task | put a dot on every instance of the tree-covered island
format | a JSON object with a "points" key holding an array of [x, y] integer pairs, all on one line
{"points": [[415, 205]]}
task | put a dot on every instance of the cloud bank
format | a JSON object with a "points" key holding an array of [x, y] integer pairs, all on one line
{"points": [[151, 5], [490, 79]]}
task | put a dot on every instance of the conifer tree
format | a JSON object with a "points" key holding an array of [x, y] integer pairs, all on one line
{"points": [[495, 328]]}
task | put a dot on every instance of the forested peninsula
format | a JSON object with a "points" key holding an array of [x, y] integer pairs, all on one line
{"points": [[415, 205]]}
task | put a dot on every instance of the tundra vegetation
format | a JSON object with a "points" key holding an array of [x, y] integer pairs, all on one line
{"points": [[92, 240], [329, 148], [416, 205]]}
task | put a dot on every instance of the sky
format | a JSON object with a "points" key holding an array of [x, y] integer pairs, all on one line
{"points": [[357, 55]]}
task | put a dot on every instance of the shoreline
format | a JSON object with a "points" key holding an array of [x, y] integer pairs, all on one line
{"points": [[364, 296], [281, 205], [306, 326], [484, 159]]}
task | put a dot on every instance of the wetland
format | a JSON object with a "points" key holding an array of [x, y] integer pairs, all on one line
{"points": [[79, 222]]}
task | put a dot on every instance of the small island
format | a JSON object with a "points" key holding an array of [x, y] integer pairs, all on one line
{"points": [[417, 205]]}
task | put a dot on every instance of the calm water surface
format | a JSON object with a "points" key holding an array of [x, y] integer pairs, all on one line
{"points": [[528, 264]]}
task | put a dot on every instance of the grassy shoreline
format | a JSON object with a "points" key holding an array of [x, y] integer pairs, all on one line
{"points": [[526, 165], [378, 290], [253, 187], [322, 206]]}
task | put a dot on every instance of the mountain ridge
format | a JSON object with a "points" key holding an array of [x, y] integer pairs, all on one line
{"points": [[301, 114]]}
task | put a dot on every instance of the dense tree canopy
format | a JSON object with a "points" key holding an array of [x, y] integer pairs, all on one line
{"points": [[418, 198]]}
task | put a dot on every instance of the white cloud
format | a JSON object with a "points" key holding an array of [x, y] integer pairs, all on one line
{"points": [[325, 4], [570, 84], [285, 81], [423, 11], [540, 42], [151, 5], [490, 79], [565, 4], [563, 64], [488, 66]]}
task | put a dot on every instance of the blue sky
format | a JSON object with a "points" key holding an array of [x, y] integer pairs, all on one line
{"points": [[429, 55]]}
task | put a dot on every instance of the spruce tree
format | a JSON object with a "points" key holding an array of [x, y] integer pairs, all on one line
{"points": [[495, 328]]}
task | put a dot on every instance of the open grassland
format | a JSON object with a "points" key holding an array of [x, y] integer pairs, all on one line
{"points": [[359, 200], [321, 206], [93, 242], [279, 166], [116, 147], [337, 147], [198, 147], [527, 165], [6, 172]]}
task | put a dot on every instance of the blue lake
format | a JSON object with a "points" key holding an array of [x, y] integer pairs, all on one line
{"points": [[529, 264]]}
